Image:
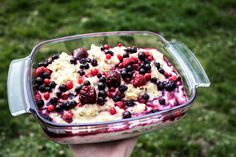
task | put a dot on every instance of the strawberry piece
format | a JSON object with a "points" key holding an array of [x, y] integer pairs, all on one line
{"points": [[50, 108], [148, 76], [120, 104], [46, 95], [94, 72], [139, 80], [119, 57], [127, 61], [81, 80], [112, 111], [106, 47], [69, 85], [64, 96], [108, 56], [46, 81]]}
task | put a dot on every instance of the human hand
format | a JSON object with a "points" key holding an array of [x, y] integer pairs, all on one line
{"points": [[120, 148]]}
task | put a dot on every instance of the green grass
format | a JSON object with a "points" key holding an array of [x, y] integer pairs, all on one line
{"points": [[208, 28]]}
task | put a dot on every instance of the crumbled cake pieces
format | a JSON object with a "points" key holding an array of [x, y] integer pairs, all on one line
{"points": [[104, 83]]}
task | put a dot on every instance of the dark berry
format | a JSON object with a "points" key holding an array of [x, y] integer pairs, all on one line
{"points": [[160, 85], [71, 95], [62, 88], [141, 56], [116, 98], [142, 71], [102, 79], [58, 108], [48, 89], [53, 100], [46, 75], [113, 79], [147, 67], [86, 83], [125, 55], [73, 61], [124, 73], [109, 52], [154, 80], [87, 95], [81, 72], [40, 103], [129, 68], [102, 48], [170, 86], [128, 50], [80, 53], [42, 88], [129, 103], [129, 74], [39, 80], [146, 61], [55, 56], [52, 84], [99, 75], [94, 62], [153, 110], [84, 66], [101, 86], [44, 64], [78, 88], [162, 101], [126, 114], [58, 94], [123, 88], [161, 70], [71, 105], [102, 93], [134, 50], [157, 65], [146, 96], [83, 61], [100, 101]]}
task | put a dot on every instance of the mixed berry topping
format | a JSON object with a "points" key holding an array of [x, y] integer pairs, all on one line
{"points": [[106, 83]]}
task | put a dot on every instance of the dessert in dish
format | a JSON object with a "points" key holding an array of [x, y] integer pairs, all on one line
{"points": [[105, 83]]}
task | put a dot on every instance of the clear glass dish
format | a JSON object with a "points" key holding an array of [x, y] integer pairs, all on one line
{"points": [[21, 99]]}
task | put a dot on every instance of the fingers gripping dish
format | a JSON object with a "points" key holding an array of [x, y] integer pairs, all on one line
{"points": [[105, 83]]}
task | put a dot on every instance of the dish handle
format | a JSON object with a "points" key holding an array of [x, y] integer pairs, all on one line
{"points": [[16, 86], [193, 71]]}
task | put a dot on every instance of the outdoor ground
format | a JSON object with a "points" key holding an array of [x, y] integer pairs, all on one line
{"points": [[207, 27]]}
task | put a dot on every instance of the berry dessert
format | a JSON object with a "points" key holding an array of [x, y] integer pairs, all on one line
{"points": [[102, 84]]}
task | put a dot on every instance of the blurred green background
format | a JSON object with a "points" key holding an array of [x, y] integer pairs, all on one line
{"points": [[209, 29]]}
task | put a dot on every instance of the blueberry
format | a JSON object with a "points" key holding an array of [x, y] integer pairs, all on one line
{"points": [[58, 94], [162, 101], [102, 93], [53, 100], [101, 86], [102, 79], [71, 105], [123, 88], [46, 75], [52, 84], [134, 50], [128, 50], [129, 103], [109, 52], [84, 66], [39, 80], [102, 48], [100, 101], [129, 68], [153, 79], [99, 75], [116, 98], [94, 62], [157, 65], [42, 88], [40, 103], [142, 71], [48, 89], [125, 55], [86, 83], [62, 88], [146, 61], [88, 60], [124, 73], [82, 61], [78, 88], [170, 86], [129, 74], [58, 108], [126, 114], [160, 85], [55, 56], [65, 105], [71, 95], [141, 56], [81, 72], [147, 66], [73, 61], [161, 70], [146, 96]]}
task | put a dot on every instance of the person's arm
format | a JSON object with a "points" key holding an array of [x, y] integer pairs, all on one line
{"points": [[121, 148]]}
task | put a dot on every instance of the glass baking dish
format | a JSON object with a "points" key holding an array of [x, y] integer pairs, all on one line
{"points": [[21, 99]]}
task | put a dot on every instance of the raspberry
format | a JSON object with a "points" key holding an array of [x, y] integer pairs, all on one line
{"points": [[68, 115], [94, 72], [39, 71], [69, 85], [87, 95], [139, 80], [119, 57], [112, 111], [148, 76], [150, 58], [37, 97], [113, 79], [127, 61], [80, 53], [46, 81], [51, 108], [64, 96]]}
